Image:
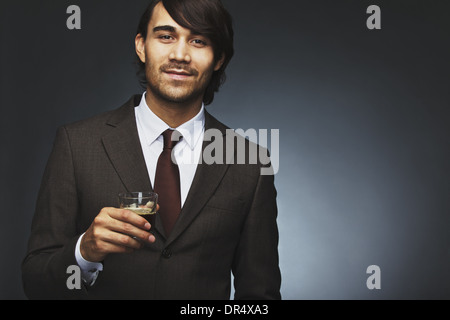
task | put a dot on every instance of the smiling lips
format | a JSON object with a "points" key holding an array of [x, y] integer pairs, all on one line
{"points": [[177, 74]]}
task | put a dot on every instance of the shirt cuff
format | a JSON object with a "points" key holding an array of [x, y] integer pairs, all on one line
{"points": [[89, 270]]}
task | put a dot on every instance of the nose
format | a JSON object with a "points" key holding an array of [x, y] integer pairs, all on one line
{"points": [[180, 52]]}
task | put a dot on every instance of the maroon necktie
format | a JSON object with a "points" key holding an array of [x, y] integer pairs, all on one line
{"points": [[167, 184]]}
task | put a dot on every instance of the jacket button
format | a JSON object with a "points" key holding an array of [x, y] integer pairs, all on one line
{"points": [[166, 253]]}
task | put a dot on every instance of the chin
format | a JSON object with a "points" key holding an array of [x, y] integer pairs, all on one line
{"points": [[181, 97]]}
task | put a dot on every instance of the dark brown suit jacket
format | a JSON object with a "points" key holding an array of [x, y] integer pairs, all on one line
{"points": [[228, 221]]}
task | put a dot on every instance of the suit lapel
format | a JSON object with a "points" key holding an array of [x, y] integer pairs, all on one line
{"points": [[124, 149], [126, 157], [206, 180]]}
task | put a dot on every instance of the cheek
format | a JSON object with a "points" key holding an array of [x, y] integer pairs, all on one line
{"points": [[206, 65], [154, 55]]}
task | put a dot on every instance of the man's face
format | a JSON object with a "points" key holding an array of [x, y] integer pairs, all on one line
{"points": [[178, 63]]}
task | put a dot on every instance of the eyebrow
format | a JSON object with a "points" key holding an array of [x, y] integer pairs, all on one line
{"points": [[164, 28], [170, 28]]}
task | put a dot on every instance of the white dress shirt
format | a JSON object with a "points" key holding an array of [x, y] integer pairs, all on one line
{"points": [[186, 152]]}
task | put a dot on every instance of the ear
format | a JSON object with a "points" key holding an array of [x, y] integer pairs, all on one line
{"points": [[139, 42], [219, 63]]}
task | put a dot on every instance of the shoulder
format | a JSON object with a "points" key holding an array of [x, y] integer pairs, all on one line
{"points": [[103, 122]]}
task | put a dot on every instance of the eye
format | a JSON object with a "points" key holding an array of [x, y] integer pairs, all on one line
{"points": [[165, 37], [199, 42]]}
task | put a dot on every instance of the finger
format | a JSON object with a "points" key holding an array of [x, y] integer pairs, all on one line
{"points": [[109, 247], [129, 229], [129, 217], [114, 240], [106, 242], [116, 219]]}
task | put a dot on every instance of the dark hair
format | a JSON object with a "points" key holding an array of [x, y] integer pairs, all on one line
{"points": [[206, 17]]}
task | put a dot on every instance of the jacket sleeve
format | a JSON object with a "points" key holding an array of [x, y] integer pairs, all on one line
{"points": [[256, 263], [51, 246]]}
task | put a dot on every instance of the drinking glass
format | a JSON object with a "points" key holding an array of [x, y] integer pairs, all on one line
{"points": [[141, 203]]}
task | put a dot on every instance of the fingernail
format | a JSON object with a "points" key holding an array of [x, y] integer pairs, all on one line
{"points": [[148, 226]]}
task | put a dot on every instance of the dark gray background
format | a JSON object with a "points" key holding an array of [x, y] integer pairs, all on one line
{"points": [[363, 116]]}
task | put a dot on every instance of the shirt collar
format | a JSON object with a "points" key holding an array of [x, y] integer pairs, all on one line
{"points": [[154, 126]]}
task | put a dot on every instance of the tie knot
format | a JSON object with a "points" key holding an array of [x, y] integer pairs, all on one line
{"points": [[171, 138]]}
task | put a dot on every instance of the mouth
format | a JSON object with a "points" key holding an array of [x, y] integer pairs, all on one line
{"points": [[178, 74]]}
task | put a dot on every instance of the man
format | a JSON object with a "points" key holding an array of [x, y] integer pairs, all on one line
{"points": [[226, 218]]}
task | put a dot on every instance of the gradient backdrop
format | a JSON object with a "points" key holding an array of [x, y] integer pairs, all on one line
{"points": [[364, 122]]}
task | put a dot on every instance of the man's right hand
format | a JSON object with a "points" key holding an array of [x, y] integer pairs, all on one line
{"points": [[114, 231]]}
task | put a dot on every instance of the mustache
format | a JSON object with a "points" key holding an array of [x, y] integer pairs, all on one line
{"points": [[179, 66]]}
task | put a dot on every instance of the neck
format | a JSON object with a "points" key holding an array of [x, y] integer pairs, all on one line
{"points": [[173, 114]]}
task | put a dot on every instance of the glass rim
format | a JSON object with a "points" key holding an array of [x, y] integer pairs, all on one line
{"points": [[138, 195]]}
